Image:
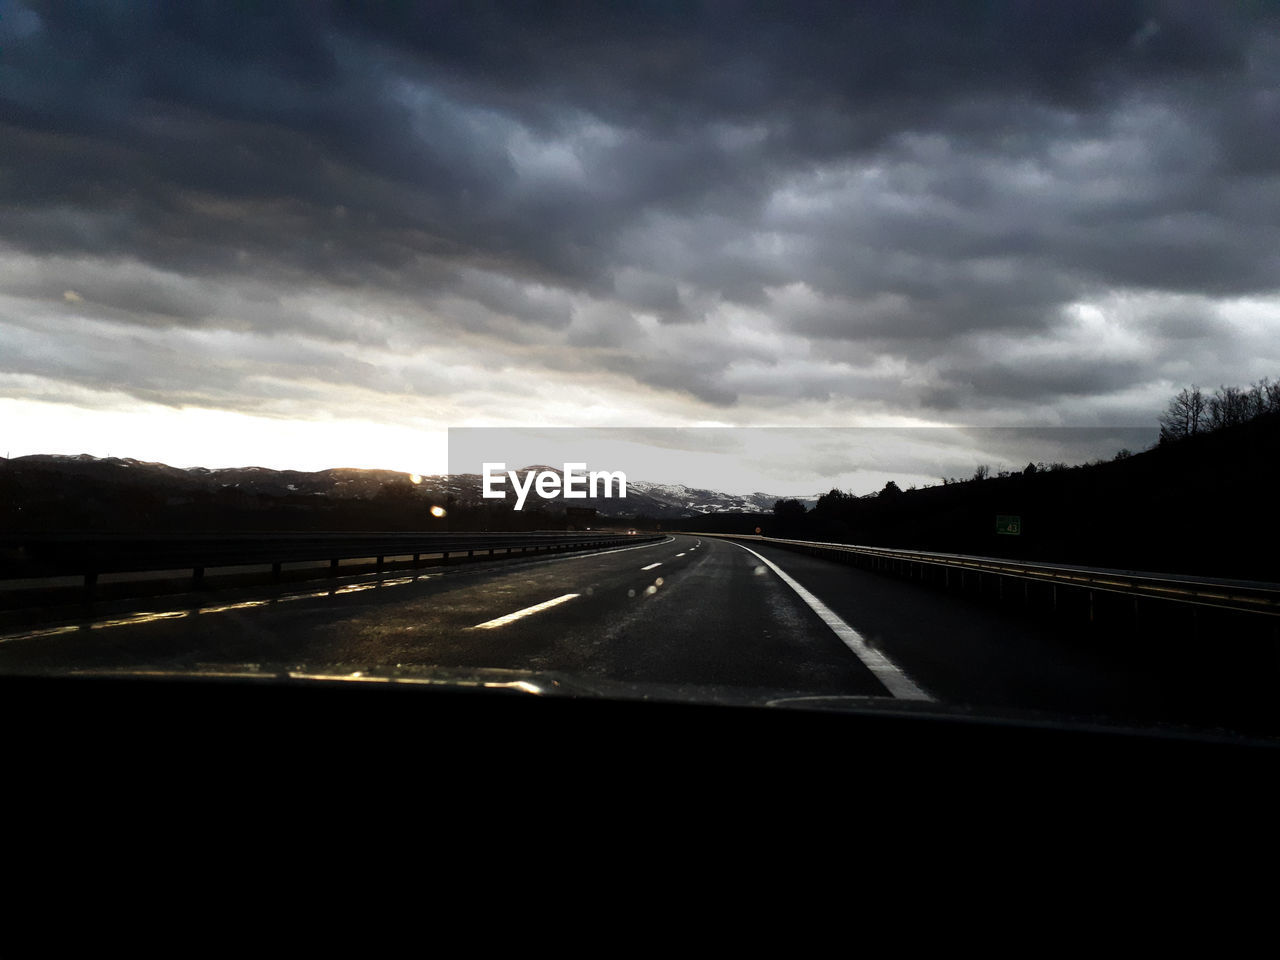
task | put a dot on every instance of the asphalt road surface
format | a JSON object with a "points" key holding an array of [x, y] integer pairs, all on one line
{"points": [[686, 611]]}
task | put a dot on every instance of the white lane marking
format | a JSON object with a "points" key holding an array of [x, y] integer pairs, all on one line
{"points": [[536, 608], [885, 670], [652, 565], [679, 554], [600, 553]]}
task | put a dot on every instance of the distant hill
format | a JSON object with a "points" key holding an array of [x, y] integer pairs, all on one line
{"points": [[56, 492]]}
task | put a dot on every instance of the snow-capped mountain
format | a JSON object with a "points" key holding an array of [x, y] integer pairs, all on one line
{"points": [[697, 500]]}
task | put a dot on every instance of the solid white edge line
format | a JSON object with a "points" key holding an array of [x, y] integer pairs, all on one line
{"points": [[652, 565], [536, 608], [885, 670]]}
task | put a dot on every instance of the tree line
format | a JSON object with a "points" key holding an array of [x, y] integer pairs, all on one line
{"points": [[1191, 412]]}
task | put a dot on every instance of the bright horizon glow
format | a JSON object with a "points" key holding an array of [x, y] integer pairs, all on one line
{"points": [[194, 437]]}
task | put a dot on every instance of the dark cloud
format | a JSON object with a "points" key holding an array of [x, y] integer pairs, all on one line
{"points": [[871, 180], [1032, 379]]}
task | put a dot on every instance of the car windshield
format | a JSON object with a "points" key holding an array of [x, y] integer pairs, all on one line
{"points": [[812, 355]]}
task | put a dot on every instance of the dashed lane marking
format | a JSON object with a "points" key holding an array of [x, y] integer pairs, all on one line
{"points": [[519, 614]]}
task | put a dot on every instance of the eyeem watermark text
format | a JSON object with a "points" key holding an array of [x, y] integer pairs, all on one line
{"points": [[577, 484]]}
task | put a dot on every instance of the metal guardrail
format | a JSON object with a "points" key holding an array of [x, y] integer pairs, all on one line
{"points": [[35, 556], [1241, 596]]}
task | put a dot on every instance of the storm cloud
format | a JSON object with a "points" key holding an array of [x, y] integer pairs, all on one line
{"points": [[822, 213]]}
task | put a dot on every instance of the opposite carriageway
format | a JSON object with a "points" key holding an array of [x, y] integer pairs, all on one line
{"points": [[31, 561]]}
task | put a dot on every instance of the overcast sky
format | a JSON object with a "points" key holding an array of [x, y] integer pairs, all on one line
{"points": [[317, 234]]}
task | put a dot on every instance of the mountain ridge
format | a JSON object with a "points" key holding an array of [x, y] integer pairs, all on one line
{"points": [[649, 498]]}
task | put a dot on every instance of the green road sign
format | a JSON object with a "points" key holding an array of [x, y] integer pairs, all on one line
{"points": [[1009, 525]]}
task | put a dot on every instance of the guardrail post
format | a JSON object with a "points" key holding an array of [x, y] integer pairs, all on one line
{"points": [[197, 577], [333, 568], [379, 565], [90, 582], [275, 571]]}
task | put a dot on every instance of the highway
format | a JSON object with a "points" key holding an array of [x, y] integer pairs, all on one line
{"points": [[685, 612]]}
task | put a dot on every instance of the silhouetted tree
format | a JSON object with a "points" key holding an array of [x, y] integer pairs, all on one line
{"points": [[834, 503], [1265, 396], [1185, 416], [788, 509], [1228, 407]]}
